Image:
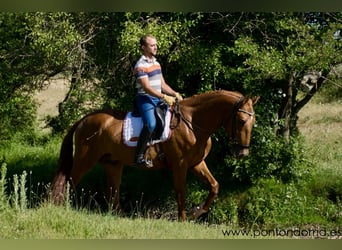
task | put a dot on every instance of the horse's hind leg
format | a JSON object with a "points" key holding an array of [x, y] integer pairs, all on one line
{"points": [[113, 174], [202, 172], [83, 162], [179, 182]]}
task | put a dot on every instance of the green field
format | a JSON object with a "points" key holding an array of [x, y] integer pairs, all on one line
{"points": [[25, 214]]}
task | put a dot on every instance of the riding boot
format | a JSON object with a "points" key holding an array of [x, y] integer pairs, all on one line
{"points": [[144, 137]]}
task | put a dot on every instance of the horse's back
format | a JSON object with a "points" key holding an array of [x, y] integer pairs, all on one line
{"points": [[99, 122]]}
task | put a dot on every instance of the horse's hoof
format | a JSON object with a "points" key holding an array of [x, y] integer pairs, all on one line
{"points": [[197, 211]]}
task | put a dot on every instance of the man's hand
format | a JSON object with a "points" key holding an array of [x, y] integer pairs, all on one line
{"points": [[179, 96], [170, 100]]}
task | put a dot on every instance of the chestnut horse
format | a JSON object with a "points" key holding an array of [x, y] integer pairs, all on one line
{"points": [[98, 138]]}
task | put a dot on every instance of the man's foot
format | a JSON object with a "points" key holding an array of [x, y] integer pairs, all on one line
{"points": [[142, 162]]}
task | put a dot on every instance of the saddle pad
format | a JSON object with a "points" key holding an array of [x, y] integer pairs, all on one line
{"points": [[132, 127]]}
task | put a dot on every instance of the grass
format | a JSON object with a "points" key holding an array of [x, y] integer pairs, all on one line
{"points": [[51, 222], [321, 126]]}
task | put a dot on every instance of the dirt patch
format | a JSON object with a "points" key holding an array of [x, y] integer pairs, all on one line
{"points": [[49, 98], [317, 120]]}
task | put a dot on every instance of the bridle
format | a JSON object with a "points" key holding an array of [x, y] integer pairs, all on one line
{"points": [[236, 109]]}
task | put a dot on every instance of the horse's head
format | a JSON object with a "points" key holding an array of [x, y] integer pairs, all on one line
{"points": [[242, 121]]}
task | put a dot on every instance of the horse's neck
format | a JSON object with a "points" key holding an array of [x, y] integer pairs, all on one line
{"points": [[210, 113]]}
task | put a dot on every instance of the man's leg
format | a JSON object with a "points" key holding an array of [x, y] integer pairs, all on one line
{"points": [[144, 138], [147, 113]]}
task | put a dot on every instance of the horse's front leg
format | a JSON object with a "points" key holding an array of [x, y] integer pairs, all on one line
{"points": [[202, 172]]}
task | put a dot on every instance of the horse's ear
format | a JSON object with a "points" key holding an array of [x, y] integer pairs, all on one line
{"points": [[255, 99]]}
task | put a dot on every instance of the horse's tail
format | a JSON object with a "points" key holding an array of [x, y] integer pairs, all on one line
{"points": [[65, 162]]}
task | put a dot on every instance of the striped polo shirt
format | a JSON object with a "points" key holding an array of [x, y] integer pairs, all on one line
{"points": [[148, 68]]}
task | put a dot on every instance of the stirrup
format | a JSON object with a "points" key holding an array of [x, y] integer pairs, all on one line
{"points": [[142, 162]]}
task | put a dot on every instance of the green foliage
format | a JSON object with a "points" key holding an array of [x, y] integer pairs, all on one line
{"points": [[272, 203], [52, 37], [326, 184], [266, 61], [168, 32], [17, 116], [290, 45], [34, 164], [3, 197], [33, 47], [271, 157]]}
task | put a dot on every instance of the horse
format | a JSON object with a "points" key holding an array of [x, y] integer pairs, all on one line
{"points": [[97, 138]]}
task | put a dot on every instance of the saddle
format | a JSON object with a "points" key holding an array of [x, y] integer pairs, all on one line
{"points": [[133, 124], [160, 114]]}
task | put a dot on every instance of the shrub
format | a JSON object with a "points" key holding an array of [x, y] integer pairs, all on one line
{"points": [[273, 203], [270, 157], [17, 115]]}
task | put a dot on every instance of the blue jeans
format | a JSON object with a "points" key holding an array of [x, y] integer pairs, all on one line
{"points": [[146, 105]]}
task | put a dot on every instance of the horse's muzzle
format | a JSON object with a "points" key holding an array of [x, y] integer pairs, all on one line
{"points": [[240, 151]]}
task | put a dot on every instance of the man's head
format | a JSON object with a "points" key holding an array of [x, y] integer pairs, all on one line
{"points": [[148, 45]]}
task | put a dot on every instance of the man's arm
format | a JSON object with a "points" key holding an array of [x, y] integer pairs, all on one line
{"points": [[167, 89]]}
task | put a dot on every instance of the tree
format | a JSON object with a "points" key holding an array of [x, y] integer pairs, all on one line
{"points": [[33, 48], [281, 52], [265, 54]]}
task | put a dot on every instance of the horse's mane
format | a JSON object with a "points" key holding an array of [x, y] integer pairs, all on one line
{"points": [[199, 98]]}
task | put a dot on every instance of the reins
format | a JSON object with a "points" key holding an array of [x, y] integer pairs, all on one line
{"points": [[178, 113]]}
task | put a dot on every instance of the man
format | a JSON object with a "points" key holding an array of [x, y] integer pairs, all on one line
{"points": [[151, 89]]}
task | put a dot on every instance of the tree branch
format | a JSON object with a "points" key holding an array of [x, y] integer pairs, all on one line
{"points": [[300, 104]]}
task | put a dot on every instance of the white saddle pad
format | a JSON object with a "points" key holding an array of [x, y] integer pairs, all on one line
{"points": [[132, 127]]}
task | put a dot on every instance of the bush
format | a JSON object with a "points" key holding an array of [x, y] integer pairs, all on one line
{"points": [[269, 203], [273, 203], [17, 116], [270, 157]]}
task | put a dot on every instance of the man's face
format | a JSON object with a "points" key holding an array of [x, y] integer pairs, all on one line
{"points": [[150, 48]]}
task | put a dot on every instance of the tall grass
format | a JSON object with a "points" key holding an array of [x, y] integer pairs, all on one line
{"points": [[61, 222], [321, 123], [3, 198]]}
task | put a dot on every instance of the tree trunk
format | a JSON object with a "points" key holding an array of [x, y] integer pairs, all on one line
{"points": [[286, 114], [74, 79], [292, 106]]}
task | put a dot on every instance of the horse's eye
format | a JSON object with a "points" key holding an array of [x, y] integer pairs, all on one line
{"points": [[241, 121]]}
